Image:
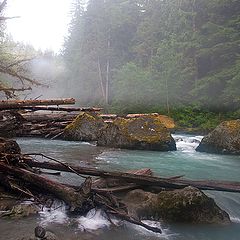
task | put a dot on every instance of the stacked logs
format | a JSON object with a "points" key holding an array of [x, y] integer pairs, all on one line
{"points": [[22, 118], [43, 118]]}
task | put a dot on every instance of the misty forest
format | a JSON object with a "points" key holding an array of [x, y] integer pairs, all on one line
{"points": [[176, 57], [128, 131]]}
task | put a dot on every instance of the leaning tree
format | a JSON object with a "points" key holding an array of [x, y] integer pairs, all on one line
{"points": [[14, 74]]}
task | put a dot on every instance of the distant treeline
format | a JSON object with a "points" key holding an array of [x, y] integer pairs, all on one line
{"points": [[152, 55]]}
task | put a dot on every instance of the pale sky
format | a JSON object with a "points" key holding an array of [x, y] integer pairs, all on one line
{"points": [[43, 23]]}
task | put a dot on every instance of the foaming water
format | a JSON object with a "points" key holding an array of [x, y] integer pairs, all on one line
{"points": [[53, 215], [185, 161], [95, 219]]}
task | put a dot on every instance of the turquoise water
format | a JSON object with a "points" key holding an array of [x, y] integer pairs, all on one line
{"points": [[185, 161]]}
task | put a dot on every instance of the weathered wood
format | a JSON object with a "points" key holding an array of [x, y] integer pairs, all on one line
{"points": [[15, 104], [226, 186], [74, 199], [116, 185], [57, 117], [135, 221], [62, 109]]}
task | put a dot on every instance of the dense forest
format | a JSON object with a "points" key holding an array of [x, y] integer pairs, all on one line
{"points": [[158, 55], [178, 57]]}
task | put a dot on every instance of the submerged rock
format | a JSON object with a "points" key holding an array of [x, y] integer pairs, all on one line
{"points": [[188, 205], [41, 233], [224, 139], [145, 132], [85, 127]]}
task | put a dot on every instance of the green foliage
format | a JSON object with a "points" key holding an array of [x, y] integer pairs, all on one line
{"points": [[133, 88], [141, 56]]}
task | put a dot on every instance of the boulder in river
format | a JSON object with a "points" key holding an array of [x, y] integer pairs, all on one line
{"points": [[85, 127], [165, 120], [188, 205], [146, 133], [224, 139]]}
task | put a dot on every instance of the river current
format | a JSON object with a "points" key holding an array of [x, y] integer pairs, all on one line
{"points": [[95, 226]]}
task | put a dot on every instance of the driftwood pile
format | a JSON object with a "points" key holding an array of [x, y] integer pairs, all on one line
{"points": [[44, 118], [19, 177], [35, 118]]}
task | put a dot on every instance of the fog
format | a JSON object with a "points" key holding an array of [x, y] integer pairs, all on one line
{"points": [[132, 56]]}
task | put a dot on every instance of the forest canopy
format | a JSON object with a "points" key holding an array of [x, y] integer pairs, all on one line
{"points": [[141, 55]]}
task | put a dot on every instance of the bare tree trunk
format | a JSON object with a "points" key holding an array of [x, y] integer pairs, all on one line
{"points": [[108, 71], [167, 96], [74, 199], [143, 180], [100, 78], [14, 104]]}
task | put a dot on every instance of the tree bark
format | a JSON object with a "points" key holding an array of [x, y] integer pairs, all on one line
{"points": [[75, 199], [64, 109], [15, 104]]}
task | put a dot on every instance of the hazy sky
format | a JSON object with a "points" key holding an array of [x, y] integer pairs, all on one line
{"points": [[43, 23]]}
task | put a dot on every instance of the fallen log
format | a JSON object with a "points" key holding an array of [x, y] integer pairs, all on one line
{"points": [[15, 104], [57, 117], [75, 199], [116, 185], [226, 186], [81, 200], [61, 109]]}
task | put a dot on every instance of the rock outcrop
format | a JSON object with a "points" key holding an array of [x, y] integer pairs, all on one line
{"points": [[145, 132], [85, 127], [188, 205], [224, 139]]}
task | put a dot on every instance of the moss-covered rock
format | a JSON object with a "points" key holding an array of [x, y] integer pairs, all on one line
{"points": [[145, 132], [165, 120], [85, 127], [224, 139], [188, 205]]}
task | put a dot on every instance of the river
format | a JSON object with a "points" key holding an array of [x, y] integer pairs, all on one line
{"points": [[185, 161]]}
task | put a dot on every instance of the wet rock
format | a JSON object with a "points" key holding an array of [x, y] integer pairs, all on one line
{"points": [[84, 128], [21, 210], [224, 139], [9, 146], [188, 205], [145, 132], [41, 233]]}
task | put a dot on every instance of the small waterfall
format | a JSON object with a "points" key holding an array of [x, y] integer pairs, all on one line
{"points": [[186, 143]]}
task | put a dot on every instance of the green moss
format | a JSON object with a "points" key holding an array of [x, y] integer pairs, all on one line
{"points": [[148, 129], [78, 121]]}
